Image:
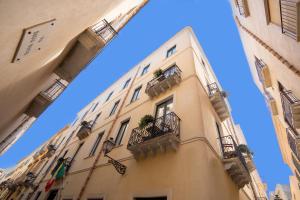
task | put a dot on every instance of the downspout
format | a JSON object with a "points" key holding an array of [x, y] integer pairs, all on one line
{"points": [[106, 138]]}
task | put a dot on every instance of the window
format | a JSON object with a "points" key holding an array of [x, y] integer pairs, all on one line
{"points": [[145, 70], [171, 51], [164, 108], [75, 154], [136, 94], [52, 195], [113, 110], [121, 132], [96, 144], [95, 106], [38, 195], [126, 83], [108, 97]]}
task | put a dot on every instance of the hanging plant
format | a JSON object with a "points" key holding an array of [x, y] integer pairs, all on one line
{"points": [[145, 121]]}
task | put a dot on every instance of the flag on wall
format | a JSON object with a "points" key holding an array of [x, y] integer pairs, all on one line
{"points": [[59, 174]]}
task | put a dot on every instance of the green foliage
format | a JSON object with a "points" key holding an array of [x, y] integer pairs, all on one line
{"points": [[158, 73], [145, 121]]}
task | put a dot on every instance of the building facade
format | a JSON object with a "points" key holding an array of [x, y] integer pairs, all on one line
{"points": [[163, 131], [282, 192], [44, 50], [269, 30]]}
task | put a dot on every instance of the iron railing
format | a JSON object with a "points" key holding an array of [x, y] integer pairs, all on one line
{"points": [[259, 68], [104, 30], [288, 99], [296, 163], [171, 71], [289, 18], [213, 88], [243, 7], [54, 90], [292, 137], [51, 147], [230, 150], [167, 124]]}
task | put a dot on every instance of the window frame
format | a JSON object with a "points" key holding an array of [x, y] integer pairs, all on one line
{"points": [[145, 70], [121, 131], [96, 144], [109, 96], [126, 83], [136, 94], [171, 51], [114, 108]]}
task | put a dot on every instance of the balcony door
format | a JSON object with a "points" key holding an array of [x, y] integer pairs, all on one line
{"points": [[164, 108], [163, 117]]}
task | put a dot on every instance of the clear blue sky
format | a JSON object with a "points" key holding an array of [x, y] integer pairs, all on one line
{"points": [[215, 28]]}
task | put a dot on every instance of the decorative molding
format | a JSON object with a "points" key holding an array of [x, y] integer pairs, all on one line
{"points": [[267, 47]]}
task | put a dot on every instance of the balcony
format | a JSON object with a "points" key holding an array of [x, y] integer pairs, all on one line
{"points": [[242, 6], [166, 80], [289, 13], [105, 31], [84, 130], [157, 136], [43, 100], [28, 182], [80, 51], [263, 73], [296, 163], [234, 161], [294, 141], [291, 108], [217, 99], [51, 150]]}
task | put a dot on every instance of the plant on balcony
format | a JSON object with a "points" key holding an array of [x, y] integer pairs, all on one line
{"points": [[158, 73], [244, 149], [147, 119]]}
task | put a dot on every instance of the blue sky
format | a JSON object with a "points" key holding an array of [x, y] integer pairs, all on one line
{"points": [[157, 22]]}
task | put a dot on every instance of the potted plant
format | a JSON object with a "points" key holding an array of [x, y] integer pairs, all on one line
{"points": [[147, 119], [244, 149], [158, 73]]}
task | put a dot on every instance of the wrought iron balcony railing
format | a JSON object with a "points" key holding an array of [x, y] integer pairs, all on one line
{"points": [[163, 132], [217, 98], [54, 90], [289, 13], [169, 77], [294, 141], [235, 162], [291, 108], [168, 124], [104, 30], [296, 163], [84, 130], [230, 149], [263, 73], [243, 7]]}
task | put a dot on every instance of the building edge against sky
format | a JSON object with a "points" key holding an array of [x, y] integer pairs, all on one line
{"points": [[185, 147], [270, 33], [46, 50]]}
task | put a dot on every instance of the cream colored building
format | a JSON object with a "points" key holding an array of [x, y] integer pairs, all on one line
{"points": [[282, 192], [189, 149], [269, 31], [44, 45]]}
